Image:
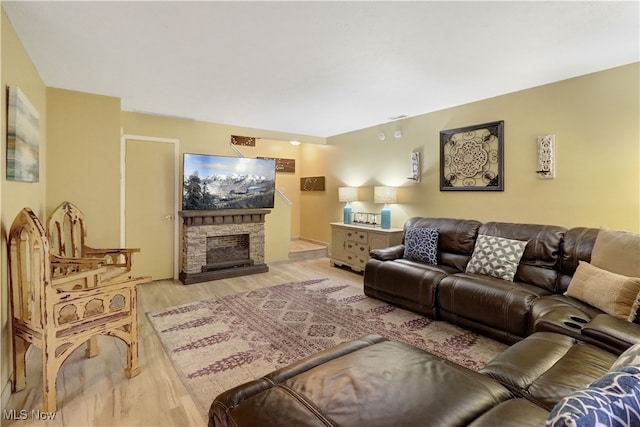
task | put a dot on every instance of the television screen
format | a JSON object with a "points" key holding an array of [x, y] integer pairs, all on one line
{"points": [[219, 182]]}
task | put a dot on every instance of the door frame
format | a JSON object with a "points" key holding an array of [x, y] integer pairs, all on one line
{"points": [[176, 199]]}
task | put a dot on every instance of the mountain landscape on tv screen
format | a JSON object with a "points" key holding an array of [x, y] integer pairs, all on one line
{"points": [[228, 191]]}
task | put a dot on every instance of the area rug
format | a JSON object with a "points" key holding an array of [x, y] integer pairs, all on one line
{"points": [[220, 343]]}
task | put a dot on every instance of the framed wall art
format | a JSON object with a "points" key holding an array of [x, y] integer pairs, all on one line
{"points": [[471, 158], [23, 138]]}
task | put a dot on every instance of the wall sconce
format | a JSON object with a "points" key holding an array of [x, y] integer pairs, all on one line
{"points": [[385, 195], [415, 167], [347, 194], [546, 157]]}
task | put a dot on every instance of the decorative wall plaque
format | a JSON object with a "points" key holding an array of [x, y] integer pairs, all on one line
{"points": [[471, 158], [243, 140], [313, 183], [283, 165]]}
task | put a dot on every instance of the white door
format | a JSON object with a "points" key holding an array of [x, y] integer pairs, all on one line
{"points": [[150, 206]]}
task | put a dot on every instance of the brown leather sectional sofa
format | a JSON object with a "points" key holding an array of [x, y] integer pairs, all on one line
{"points": [[565, 363], [506, 311], [373, 382]]}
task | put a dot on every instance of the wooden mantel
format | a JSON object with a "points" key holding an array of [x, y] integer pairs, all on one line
{"points": [[223, 216]]}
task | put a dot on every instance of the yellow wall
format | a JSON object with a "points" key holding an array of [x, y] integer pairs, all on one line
{"points": [[596, 121], [84, 160], [17, 70]]}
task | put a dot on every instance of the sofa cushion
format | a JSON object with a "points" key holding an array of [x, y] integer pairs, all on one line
{"points": [[577, 246], [421, 244], [408, 284], [618, 252], [496, 256], [546, 367], [491, 306], [612, 293], [455, 240], [612, 400], [512, 413]]}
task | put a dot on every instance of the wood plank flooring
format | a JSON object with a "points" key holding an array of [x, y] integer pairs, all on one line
{"points": [[95, 392]]}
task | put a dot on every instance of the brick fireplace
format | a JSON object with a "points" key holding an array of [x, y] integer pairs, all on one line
{"points": [[221, 244]]}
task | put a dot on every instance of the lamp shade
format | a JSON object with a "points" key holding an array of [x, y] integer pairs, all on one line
{"points": [[347, 194], [384, 195]]}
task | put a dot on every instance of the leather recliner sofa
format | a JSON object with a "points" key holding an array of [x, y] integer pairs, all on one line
{"points": [[565, 365], [374, 382], [506, 311]]}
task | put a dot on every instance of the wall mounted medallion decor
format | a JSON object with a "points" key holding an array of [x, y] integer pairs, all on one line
{"points": [[471, 158], [283, 165], [312, 183], [23, 138]]}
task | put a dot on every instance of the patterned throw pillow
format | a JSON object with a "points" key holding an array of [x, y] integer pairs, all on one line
{"points": [[421, 244], [631, 357], [611, 400], [496, 256]]}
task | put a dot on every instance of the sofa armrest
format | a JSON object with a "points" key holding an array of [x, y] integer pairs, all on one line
{"points": [[617, 333], [387, 254]]}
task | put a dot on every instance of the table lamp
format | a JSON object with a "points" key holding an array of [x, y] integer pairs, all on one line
{"points": [[347, 194], [385, 195]]}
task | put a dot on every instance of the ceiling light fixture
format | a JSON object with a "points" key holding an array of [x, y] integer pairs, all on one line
{"points": [[296, 143]]}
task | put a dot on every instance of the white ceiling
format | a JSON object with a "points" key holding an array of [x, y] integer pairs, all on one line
{"points": [[318, 68]]}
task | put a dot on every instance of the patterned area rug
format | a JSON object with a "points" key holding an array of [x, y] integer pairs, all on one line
{"points": [[219, 343]]}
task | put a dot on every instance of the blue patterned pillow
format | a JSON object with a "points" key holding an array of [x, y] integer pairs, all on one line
{"points": [[611, 400], [421, 244], [496, 256]]}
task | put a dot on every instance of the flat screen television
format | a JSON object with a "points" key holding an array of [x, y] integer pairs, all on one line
{"points": [[220, 182]]}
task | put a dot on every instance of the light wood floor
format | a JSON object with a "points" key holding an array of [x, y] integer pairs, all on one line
{"points": [[95, 392]]}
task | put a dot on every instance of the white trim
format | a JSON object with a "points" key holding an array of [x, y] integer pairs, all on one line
{"points": [[176, 186]]}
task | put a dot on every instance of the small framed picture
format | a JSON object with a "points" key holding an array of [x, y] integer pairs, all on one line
{"points": [[312, 183]]}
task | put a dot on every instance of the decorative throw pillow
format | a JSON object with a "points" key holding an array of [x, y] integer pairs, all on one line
{"points": [[496, 256], [630, 357], [611, 400], [612, 293], [617, 252], [421, 244]]}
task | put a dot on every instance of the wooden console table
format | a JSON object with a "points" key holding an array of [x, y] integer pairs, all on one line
{"points": [[350, 243]]}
